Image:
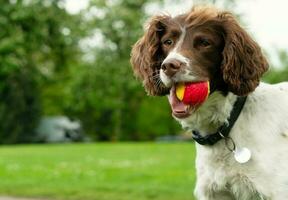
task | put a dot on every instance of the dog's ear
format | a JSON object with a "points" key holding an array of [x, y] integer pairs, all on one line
{"points": [[243, 61], [147, 56]]}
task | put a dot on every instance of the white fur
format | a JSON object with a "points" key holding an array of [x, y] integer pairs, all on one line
{"points": [[177, 56], [174, 54], [262, 127], [184, 74], [165, 79], [181, 39]]}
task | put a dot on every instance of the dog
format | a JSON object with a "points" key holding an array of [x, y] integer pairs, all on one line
{"points": [[249, 162]]}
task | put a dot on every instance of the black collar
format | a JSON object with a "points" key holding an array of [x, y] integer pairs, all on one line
{"points": [[224, 130]]}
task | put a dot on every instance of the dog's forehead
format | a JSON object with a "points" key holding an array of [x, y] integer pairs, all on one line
{"points": [[175, 25], [195, 17], [180, 20], [185, 21]]}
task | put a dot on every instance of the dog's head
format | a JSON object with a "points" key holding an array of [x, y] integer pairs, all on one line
{"points": [[204, 44]]}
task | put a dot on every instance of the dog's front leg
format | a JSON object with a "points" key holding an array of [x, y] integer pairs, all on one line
{"points": [[214, 196], [203, 192]]}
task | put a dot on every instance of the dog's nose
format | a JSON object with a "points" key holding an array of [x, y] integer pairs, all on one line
{"points": [[171, 67]]}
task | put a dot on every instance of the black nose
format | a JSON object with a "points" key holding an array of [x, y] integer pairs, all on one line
{"points": [[171, 67]]}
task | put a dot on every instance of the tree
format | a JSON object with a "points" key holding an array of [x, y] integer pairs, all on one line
{"points": [[33, 45], [109, 95]]}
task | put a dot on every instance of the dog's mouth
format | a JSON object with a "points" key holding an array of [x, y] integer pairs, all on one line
{"points": [[192, 95], [179, 109]]}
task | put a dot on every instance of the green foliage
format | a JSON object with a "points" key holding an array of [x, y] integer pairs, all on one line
{"points": [[107, 98], [119, 171], [32, 48], [19, 106], [49, 67], [279, 73], [44, 71]]}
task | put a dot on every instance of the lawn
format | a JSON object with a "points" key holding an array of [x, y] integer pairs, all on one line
{"points": [[99, 171]]}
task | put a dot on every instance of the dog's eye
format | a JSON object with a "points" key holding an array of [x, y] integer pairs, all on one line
{"points": [[203, 42], [168, 42]]}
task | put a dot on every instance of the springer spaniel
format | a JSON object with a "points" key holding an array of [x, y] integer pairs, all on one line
{"points": [[208, 44]]}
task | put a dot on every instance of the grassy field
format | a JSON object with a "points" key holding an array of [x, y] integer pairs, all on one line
{"points": [[99, 171]]}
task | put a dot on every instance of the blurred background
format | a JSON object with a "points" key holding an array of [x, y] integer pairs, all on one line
{"points": [[65, 77]]}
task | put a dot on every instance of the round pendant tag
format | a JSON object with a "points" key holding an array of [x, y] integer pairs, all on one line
{"points": [[242, 155]]}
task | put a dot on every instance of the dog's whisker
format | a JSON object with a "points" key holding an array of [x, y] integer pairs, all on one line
{"points": [[156, 76]]}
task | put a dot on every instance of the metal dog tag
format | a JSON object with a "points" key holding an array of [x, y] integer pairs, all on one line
{"points": [[242, 155]]}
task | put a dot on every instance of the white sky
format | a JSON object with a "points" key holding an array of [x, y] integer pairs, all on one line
{"points": [[267, 20], [74, 6]]}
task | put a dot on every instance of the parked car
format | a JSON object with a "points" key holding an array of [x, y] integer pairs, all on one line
{"points": [[59, 129]]}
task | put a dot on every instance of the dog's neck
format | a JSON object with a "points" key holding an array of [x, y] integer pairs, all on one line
{"points": [[211, 115]]}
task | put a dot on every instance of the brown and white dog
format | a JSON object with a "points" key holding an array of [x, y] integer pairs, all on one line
{"points": [[207, 44]]}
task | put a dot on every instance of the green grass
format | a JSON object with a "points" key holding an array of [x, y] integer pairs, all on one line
{"points": [[99, 171]]}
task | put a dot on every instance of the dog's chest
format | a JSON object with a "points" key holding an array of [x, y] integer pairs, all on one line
{"points": [[238, 185], [221, 173]]}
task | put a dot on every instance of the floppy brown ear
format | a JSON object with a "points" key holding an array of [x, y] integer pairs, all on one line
{"points": [[243, 61], [147, 56]]}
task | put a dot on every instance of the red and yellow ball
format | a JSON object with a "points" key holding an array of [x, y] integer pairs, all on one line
{"points": [[194, 93]]}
